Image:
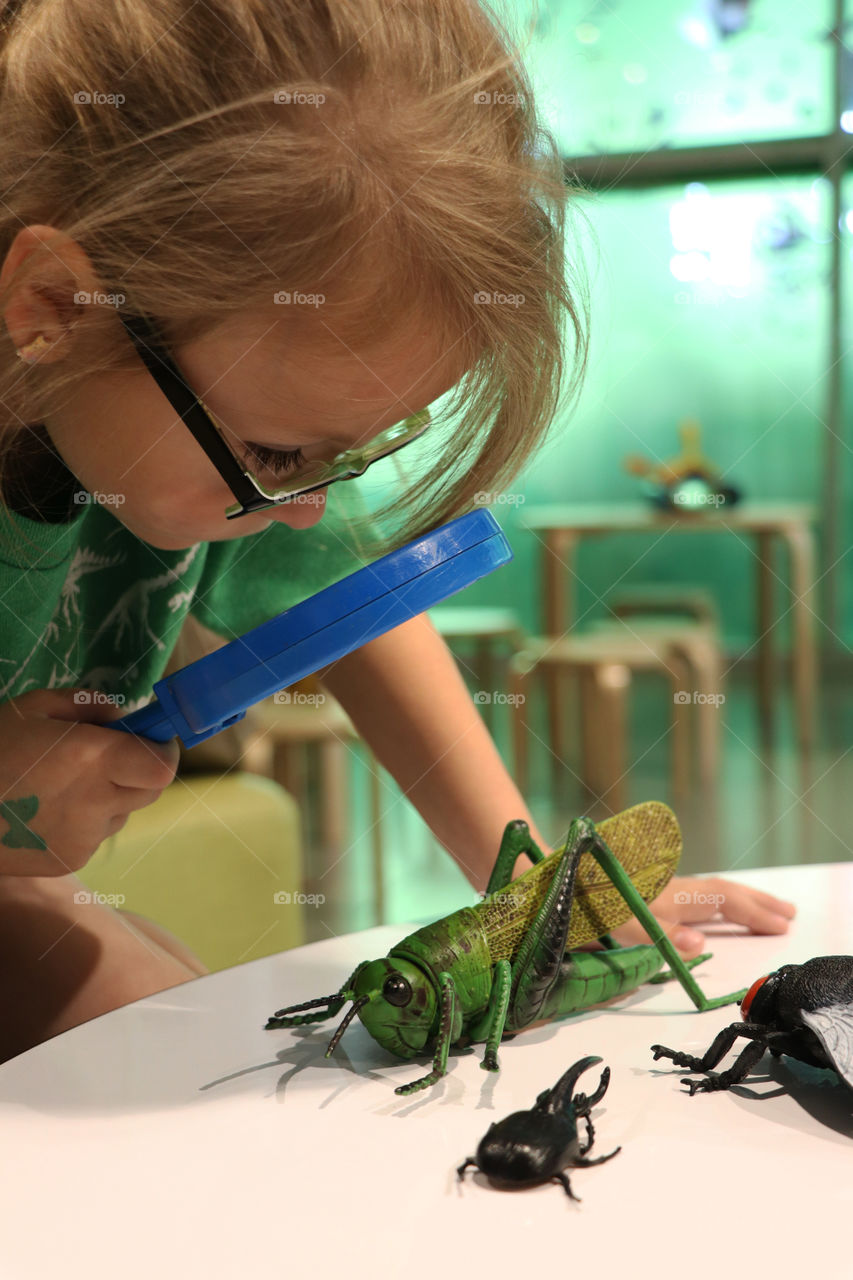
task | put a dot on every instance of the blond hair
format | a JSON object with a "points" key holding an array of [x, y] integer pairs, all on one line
{"points": [[410, 163]]}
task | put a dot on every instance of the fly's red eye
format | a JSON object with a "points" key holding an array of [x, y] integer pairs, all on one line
{"points": [[750, 996]]}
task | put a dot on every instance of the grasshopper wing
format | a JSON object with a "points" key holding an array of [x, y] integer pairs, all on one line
{"points": [[647, 841]]}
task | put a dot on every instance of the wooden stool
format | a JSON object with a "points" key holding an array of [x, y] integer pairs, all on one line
{"points": [[697, 643], [665, 598], [604, 663], [303, 727]]}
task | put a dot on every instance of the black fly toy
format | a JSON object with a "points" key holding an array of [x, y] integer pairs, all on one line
{"points": [[802, 1010], [531, 1147]]}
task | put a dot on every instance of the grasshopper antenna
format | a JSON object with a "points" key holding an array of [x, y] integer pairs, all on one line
{"points": [[309, 1004], [336, 1038]]}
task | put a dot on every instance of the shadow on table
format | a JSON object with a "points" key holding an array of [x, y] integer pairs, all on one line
{"points": [[818, 1093]]}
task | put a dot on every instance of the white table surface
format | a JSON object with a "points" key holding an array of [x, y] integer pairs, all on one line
{"points": [[177, 1138]]}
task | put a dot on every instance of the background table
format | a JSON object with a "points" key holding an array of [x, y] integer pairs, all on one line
{"points": [[561, 528], [177, 1138]]}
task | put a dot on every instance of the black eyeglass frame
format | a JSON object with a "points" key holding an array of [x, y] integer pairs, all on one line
{"points": [[247, 490]]}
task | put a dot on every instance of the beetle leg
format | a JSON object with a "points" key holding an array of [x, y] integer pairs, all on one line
{"points": [[449, 1017], [516, 839], [567, 1186], [460, 1172], [540, 956], [580, 1162]]}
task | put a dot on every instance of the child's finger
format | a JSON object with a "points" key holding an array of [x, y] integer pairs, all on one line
{"points": [[688, 942], [780, 906], [760, 913]]}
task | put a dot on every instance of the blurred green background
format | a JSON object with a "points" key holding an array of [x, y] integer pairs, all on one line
{"points": [[710, 297], [716, 228]]}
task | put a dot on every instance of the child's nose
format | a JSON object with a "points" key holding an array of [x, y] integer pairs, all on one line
{"points": [[302, 511]]}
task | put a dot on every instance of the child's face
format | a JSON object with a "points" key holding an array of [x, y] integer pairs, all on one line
{"points": [[282, 381]]}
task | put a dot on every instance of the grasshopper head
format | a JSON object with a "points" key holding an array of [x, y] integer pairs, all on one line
{"points": [[396, 1002]]}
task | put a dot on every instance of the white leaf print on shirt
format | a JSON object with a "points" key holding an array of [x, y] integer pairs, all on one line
{"points": [[83, 561], [132, 604], [65, 627]]}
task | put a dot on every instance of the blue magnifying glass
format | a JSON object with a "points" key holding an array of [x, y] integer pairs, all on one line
{"points": [[207, 696]]}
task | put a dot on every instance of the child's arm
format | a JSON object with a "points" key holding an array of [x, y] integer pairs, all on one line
{"points": [[409, 702], [404, 693]]}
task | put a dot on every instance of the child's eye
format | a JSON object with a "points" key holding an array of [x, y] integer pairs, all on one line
{"points": [[275, 459]]}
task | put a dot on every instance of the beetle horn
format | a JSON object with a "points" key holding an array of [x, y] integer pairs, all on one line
{"points": [[336, 1038], [556, 1100]]}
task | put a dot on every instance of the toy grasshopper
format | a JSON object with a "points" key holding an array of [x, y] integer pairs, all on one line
{"points": [[489, 970]]}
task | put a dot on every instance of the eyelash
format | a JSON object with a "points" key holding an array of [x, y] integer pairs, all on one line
{"points": [[276, 459]]}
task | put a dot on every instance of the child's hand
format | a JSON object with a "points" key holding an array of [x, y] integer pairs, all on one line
{"points": [[66, 783], [685, 902]]}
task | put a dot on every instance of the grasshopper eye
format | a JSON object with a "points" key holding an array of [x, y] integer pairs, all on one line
{"points": [[396, 990]]}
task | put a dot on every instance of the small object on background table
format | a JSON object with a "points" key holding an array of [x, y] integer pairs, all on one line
{"points": [[531, 1147], [804, 1011], [688, 482], [490, 970]]}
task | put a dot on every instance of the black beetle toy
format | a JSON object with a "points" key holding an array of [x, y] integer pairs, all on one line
{"points": [[531, 1147], [802, 1010]]}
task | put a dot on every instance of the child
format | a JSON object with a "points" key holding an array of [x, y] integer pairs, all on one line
{"points": [[330, 214]]}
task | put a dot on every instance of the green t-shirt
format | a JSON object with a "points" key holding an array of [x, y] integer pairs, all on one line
{"points": [[86, 603]]}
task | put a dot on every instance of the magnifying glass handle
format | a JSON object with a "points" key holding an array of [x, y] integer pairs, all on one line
{"points": [[147, 722], [153, 722]]}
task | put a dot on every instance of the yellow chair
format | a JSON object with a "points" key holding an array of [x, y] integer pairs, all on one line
{"points": [[216, 860]]}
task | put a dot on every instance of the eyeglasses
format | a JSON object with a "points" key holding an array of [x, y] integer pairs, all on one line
{"points": [[251, 493]]}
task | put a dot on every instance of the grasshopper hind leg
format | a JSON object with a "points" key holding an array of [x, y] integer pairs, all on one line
{"points": [[515, 840], [541, 955]]}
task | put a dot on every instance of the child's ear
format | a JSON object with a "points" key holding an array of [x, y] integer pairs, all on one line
{"points": [[45, 279]]}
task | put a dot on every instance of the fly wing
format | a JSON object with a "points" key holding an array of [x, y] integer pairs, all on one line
{"points": [[647, 841], [833, 1026]]}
